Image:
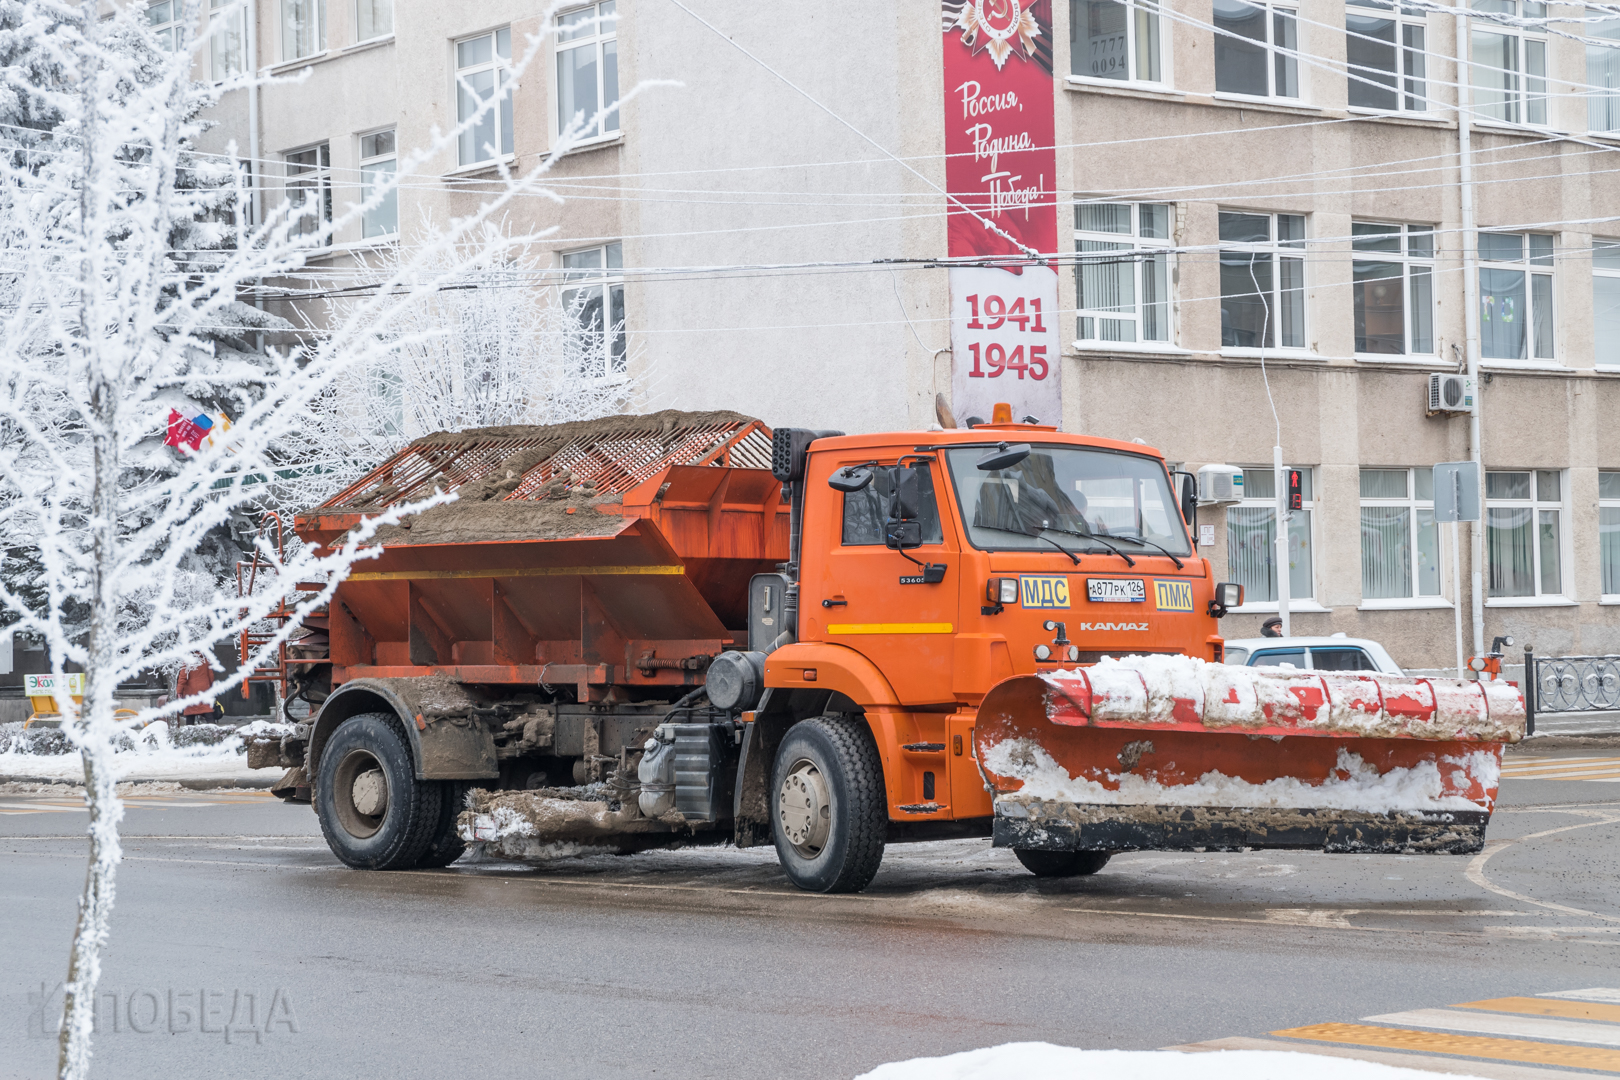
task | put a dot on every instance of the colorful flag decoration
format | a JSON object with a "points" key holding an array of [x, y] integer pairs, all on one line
{"points": [[187, 433]]}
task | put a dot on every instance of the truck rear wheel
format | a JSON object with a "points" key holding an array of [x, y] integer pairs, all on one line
{"points": [[374, 812], [1060, 864], [829, 810]]}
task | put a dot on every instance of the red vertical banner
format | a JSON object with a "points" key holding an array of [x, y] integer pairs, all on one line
{"points": [[1000, 175]]}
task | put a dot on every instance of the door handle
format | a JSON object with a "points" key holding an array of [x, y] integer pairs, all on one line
{"points": [[834, 603]]}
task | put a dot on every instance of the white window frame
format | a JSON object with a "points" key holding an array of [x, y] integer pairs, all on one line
{"points": [[284, 8], [163, 19], [1532, 265], [376, 6], [1416, 258], [390, 157], [607, 275], [610, 124], [317, 178], [1609, 501], [1411, 75], [466, 97], [1140, 16], [1280, 252], [227, 46], [1414, 505], [1276, 54], [1296, 601], [1606, 271], [1528, 102], [1133, 246], [1603, 105], [1537, 507]]}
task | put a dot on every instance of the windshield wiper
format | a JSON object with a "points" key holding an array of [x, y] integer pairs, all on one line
{"points": [[1092, 536], [1145, 542], [1034, 536]]}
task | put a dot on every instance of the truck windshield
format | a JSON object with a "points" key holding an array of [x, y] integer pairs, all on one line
{"points": [[1076, 492]]}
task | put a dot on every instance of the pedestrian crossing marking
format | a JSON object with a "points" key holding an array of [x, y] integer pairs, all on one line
{"points": [[1536, 1006], [1509, 1025], [1474, 1046], [1573, 768]]}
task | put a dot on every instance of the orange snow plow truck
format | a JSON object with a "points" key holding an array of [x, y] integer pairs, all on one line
{"points": [[685, 628]]}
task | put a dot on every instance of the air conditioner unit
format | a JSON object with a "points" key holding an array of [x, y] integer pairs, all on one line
{"points": [[1451, 393], [1220, 483]]}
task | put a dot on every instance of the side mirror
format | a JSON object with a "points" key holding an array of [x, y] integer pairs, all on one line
{"points": [[850, 478], [902, 534], [1228, 594], [905, 496], [1004, 457], [1189, 497]]}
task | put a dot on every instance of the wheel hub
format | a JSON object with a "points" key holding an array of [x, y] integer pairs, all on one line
{"points": [[370, 793], [804, 809]]}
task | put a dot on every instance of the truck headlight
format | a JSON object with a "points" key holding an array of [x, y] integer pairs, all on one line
{"points": [[1002, 590]]}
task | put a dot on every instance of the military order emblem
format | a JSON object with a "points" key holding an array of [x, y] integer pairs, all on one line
{"points": [[1000, 26]]}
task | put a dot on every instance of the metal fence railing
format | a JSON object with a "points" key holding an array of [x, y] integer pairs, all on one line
{"points": [[1570, 684]]}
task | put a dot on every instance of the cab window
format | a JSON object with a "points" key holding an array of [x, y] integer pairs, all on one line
{"points": [[1341, 659], [866, 510]]}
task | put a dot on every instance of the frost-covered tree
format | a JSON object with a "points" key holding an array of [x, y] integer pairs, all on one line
{"points": [[105, 319], [497, 345]]}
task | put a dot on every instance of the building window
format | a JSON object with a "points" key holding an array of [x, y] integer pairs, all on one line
{"points": [[1384, 50], [1606, 302], [303, 28], [1509, 67], [309, 190], [1251, 540], [1114, 39], [164, 19], [228, 45], [588, 70], [595, 298], [1392, 288], [1123, 298], [1603, 76], [1609, 532], [1523, 532], [1255, 49], [377, 178], [1262, 280], [481, 71], [373, 19], [1516, 296], [1400, 547]]}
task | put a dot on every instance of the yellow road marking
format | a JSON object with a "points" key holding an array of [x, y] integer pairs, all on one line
{"points": [[1475, 1046], [1529, 1006], [890, 628], [1601, 774], [526, 571]]}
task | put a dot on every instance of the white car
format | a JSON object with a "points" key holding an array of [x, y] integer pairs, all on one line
{"points": [[1336, 653]]}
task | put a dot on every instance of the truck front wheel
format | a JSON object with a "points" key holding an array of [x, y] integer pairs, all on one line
{"points": [[374, 812], [829, 811]]}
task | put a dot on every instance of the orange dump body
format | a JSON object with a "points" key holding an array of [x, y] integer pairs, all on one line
{"points": [[682, 519]]}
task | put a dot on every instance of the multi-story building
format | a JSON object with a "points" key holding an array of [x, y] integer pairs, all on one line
{"points": [[1259, 238]]}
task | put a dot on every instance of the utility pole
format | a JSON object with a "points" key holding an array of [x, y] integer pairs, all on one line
{"points": [[1470, 251], [1280, 479]]}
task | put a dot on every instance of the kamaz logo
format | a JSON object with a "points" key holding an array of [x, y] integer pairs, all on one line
{"points": [[1103, 626]]}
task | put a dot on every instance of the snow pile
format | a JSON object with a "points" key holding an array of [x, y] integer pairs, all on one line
{"points": [[1355, 785], [1167, 689], [151, 752], [1043, 1061]]}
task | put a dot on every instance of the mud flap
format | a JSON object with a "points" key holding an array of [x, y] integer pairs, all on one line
{"points": [[1078, 827]]}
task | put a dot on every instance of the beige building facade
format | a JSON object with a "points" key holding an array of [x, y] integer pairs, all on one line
{"points": [[1260, 240]]}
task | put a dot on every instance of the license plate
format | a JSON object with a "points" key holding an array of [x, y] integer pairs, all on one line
{"points": [[1116, 591]]}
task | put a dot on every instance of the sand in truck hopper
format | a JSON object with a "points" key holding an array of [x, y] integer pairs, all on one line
{"points": [[682, 628]]}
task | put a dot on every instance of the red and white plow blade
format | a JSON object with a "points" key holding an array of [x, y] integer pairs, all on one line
{"points": [[1172, 752]]}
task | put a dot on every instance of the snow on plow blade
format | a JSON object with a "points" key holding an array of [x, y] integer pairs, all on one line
{"points": [[1172, 753]]}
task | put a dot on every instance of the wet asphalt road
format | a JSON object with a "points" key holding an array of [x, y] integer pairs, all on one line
{"points": [[707, 964]]}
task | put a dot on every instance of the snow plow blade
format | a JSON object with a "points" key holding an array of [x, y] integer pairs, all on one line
{"points": [[1170, 753]]}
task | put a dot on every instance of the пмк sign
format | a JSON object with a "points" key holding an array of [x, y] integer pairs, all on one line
{"points": [[1000, 172]]}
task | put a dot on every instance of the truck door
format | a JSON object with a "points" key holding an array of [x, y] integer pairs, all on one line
{"points": [[876, 600]]}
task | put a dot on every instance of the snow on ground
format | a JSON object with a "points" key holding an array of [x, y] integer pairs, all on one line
{"points": [[154, 752], [1043, 1061]]}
